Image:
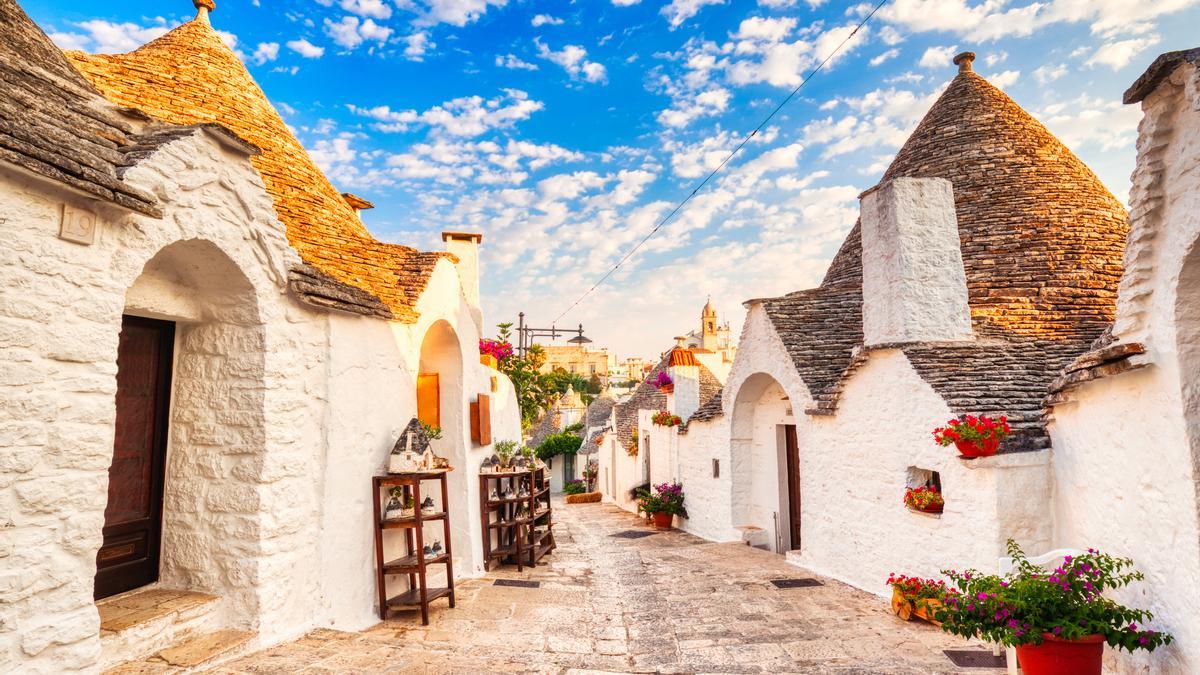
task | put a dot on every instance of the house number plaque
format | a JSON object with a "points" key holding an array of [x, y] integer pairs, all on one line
{"points": [[78, 226]]}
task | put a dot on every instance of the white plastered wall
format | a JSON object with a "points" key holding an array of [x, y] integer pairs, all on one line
{"points": [[61, 315], [1126, 447]]}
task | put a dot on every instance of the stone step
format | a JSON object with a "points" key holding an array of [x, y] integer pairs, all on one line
{"points": [[137, 624], [191, 655]]}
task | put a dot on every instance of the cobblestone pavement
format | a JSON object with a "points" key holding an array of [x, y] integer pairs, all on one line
{"points": [[669, 603]]}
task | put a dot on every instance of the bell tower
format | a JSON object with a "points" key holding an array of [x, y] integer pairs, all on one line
{"points": [[708, 327]]}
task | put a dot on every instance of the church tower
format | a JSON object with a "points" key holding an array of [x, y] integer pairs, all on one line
{"points": [[709, 335]]}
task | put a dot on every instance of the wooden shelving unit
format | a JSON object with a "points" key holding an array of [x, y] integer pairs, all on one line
{"points": [[414, 564], [508, 539]]}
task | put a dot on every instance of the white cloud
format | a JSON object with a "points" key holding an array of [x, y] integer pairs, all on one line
{"points": [[416, 44], [708, 102], [466, 116], [514, 62], [767, 29], [106, 37], [1088, 121], [545, 20], [573, 59], [453, 12], [266, 51], [993, 58], [885, 56], [994, 19], [1118, 54], [1004, 80], [375, 9], [937, 57], [350, 32], [679, 11], [1049, 73], [625, 3], [306, 49]]}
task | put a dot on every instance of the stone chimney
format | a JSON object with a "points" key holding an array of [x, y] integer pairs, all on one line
{"points": [[914, 286], [357, 203], [684, 370], [203, 7], [965, 62], [465, 247]]}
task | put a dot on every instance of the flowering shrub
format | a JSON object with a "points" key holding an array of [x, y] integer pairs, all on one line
{"points": [[665, 419], [500, 349], [1018, 608], [666, 498], [663, 379], [972, 429], [575, 487], [925, 498]]}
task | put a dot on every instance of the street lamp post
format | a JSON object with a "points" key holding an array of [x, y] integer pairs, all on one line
{"points": [[526, 334]]}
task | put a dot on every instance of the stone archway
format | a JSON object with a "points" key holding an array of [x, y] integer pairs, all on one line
{"points": [[211, 505], [762, 441], [441, 355]]}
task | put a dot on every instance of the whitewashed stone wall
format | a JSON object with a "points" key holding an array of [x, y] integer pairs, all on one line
{"points": [[280, 415], [1125, 448], [706, 496]]}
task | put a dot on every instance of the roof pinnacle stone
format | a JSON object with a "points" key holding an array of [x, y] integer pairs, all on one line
{"points": [[203, 7], [964, 61]]}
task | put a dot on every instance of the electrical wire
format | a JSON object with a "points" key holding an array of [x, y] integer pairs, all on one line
{"points": [[725, 161]]}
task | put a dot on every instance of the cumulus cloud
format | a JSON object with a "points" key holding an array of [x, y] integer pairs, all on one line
{"points": [[453, 12], [885, 56], [306, 49], [266, 51], [106, 37], [938, 57], [573, 59], [1005, 79], [1049, 73], [467, 116], [1117, 54], [351, 32], [995, 19], [678, 11], [545, 20], [416, 44], [375, 9], [514, 62]]}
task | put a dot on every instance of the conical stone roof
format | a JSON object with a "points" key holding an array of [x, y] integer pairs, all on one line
{"points": [[190, 76], [1042, 243]]}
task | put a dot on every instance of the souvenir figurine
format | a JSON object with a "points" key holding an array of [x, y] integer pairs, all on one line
{"points": [[427, 506], [437, 546], [394, 508], [427, 459], [493, 496], [427, 550], [406, 455]]}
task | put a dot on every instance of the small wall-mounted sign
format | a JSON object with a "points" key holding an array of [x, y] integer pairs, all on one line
{"points": [[78, 225]]}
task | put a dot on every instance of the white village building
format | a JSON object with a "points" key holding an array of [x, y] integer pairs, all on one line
{"points": [[989, 273], [206, 357]]}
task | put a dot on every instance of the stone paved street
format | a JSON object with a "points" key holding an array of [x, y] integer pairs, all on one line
{"points": [[667, 603]]}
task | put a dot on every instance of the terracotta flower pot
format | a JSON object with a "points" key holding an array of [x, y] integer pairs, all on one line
{"points": [[974, 449], [667, 389], [662, 521], [489, 361], [1056, 656]]}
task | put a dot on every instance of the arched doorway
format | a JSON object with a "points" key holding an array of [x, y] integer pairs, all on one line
{"points": [[183, 503], [441, 401], [766, 463]]}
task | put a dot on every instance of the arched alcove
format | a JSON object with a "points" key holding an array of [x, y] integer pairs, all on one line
{"points": [[441, 356], [762, 441], [190, 431]]}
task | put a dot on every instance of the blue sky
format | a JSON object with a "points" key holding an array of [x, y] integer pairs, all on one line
{"points": [[564, 130]]}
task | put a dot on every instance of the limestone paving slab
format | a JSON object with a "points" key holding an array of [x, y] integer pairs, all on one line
{"points": [[670, 603]]}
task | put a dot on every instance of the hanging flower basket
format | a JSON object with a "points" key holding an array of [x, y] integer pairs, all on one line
{"points": [[973, 436]]}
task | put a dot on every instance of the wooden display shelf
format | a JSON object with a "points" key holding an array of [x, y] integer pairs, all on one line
{"points": [[414, 564], [412, 597], [504, 535], [391, 523]]}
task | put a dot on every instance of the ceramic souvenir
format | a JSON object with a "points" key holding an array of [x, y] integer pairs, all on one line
{"points": [[427, 506], [407, 453]]}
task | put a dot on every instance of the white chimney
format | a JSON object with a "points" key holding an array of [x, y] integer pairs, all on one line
{"points": [[914, 286], [465, 247]]}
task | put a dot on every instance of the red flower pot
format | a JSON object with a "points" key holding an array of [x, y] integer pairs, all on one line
{"points": [[667, 389], [1056, 656], [662, 521], [981, 449]]}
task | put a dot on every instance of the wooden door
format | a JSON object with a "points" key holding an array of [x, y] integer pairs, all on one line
{"points": [[429, 399], [793, 475], [128, 558]]}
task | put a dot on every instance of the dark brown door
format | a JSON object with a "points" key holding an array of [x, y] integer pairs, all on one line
{"points": [[793, 476], [133, 518]]}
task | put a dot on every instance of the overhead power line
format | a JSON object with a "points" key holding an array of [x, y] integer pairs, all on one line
{"points": [[725, 161]]}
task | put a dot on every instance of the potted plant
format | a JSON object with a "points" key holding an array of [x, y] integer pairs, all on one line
{"points": [[913, 596], [663, 504], [663, 418], [1058, 621], [432, 432], [575, 487], [974, 436], [664, 382], [505, 451], [493, 352], [926, 499]]}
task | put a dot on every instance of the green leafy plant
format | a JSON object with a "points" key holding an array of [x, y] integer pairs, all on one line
{"points": [[1025, 605], [575, 487], [431, 432], [506, 450], [559, 444]]}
